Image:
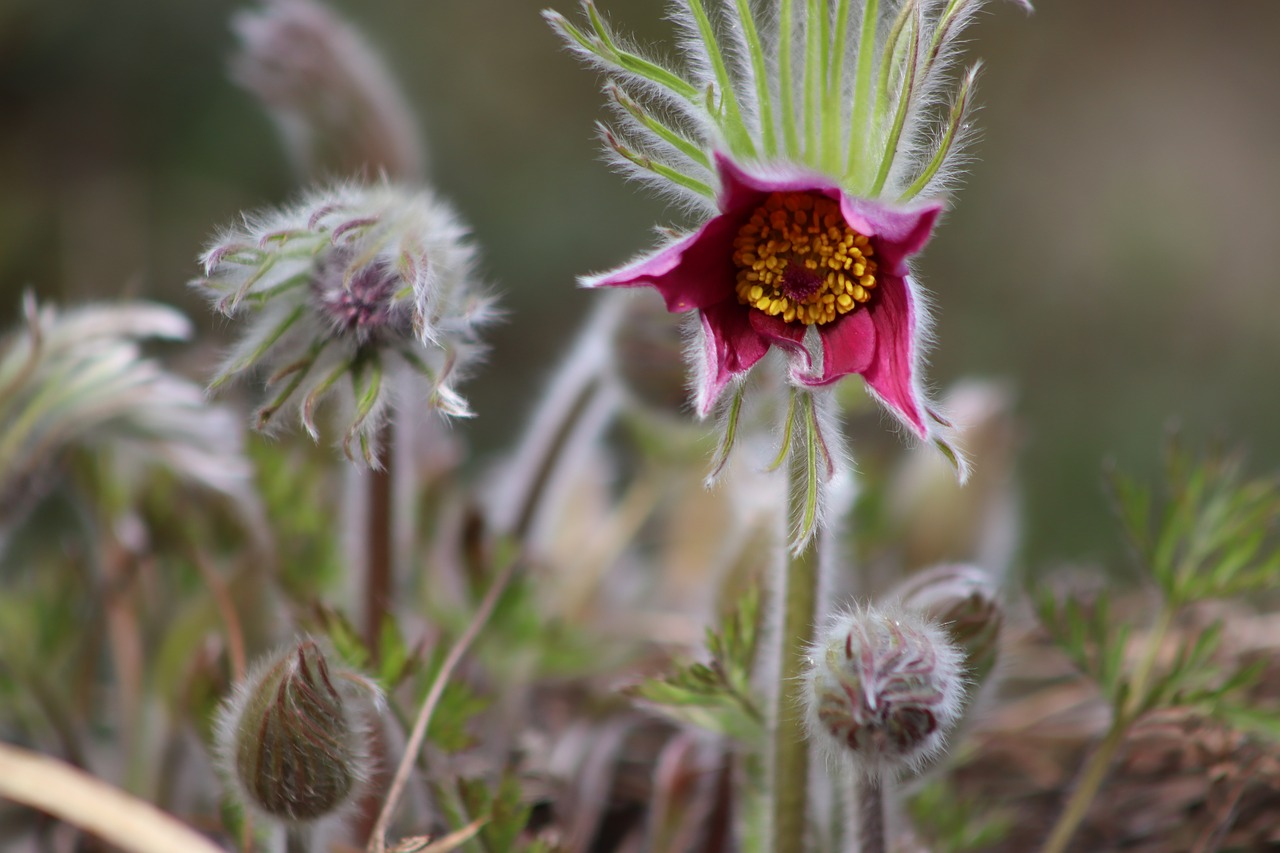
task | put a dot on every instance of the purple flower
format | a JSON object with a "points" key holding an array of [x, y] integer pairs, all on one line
{"points": [[795, 262]]}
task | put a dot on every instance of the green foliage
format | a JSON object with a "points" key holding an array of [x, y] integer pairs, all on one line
{"points": [[505, 809], [1094, 641], [716, 695], [458, 705], [290, 480], [1207, 533], [519, 622], [1210, 533], [954, 825]]}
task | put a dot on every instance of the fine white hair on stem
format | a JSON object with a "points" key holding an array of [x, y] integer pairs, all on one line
{"points": [[575, 408], [336, 105]]}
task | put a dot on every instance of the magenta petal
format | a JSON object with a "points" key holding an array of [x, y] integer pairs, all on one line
{"points": [[848, 346], [789, 336], [898, 232], [739, 189], [731, 346], [693, 272], [891, 373]]}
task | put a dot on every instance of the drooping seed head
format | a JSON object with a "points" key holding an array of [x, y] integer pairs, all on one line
{"points": [[292, 740], [884, 687], [342, 291]]}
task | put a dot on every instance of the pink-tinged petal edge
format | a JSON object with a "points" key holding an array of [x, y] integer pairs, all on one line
{"points": [[879, 343], [740, 190], [730, 346], [693, 272], [891, 373], [897, 232]]}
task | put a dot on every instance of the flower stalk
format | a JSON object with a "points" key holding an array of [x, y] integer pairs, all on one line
{"points": [[379, 578], [870, 811], [799, 612], [378, 838]]}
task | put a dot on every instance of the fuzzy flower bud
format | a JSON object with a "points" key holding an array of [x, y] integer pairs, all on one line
{"points": [[337, 107], [884, 687], [934, 519], [291, 740], [965, 601], [348, 284], [648, 357]]}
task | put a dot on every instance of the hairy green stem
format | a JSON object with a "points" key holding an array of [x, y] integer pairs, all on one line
{"points": [[814, 73], [758, 70], [860, 113], [786, 22], [379, 583], [798, 600]]}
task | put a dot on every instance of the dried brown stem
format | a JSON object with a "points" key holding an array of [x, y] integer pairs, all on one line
{"points": [[377, 840]]}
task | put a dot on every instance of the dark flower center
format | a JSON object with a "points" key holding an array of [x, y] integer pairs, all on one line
{"points": [[798, 259], [360, 302], [799, 283]]}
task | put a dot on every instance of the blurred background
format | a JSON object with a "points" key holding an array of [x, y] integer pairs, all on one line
{"points": [[1113, 256]]}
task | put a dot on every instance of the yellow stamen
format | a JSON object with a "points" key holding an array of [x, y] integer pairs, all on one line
{"points": [[798, 259]]}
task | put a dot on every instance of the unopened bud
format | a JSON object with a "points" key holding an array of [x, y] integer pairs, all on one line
{"points": [[884, 687], [932, 517], [648, 349], [291, 738], [965, 601], [338, 108]]}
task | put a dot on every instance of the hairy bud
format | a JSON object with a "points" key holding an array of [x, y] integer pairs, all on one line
{"points": [[884, 687], [965, 601], [648, 349], [337, 106], [291, 738]]}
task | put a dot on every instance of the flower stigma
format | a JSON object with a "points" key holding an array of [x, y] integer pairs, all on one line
{"points": [[798, 259], [359, 301]]}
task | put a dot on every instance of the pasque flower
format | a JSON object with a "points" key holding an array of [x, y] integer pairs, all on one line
{"points": [[800, 135], [786, 260], [349, 283]]}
